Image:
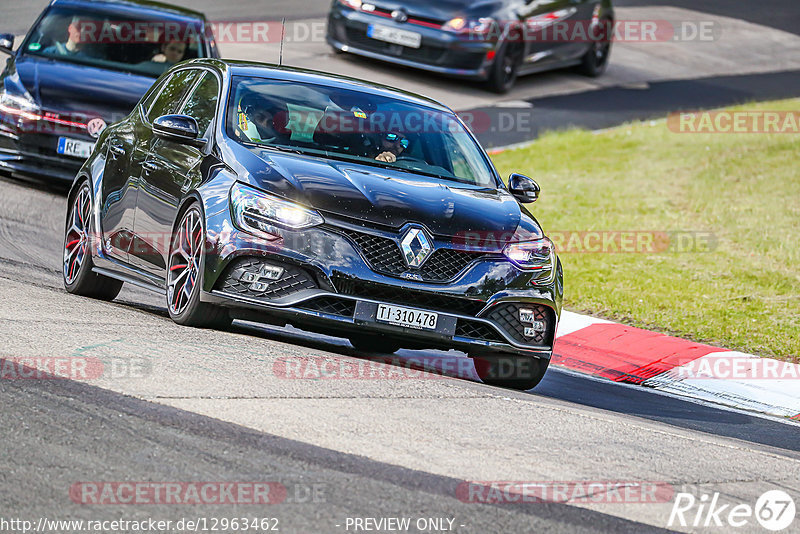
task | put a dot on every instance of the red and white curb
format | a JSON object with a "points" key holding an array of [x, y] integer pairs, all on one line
{"points": [[626, 354]]}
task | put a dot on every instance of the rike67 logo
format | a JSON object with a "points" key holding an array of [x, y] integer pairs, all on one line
{"points": [[774, 510]]}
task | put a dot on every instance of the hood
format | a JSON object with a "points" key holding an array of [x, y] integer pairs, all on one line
{"points": [[442, 10], [79, 89], [383, 197]]}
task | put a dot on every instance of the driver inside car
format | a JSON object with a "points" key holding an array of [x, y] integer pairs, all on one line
{"points": [[257, 119], [392, 145]]}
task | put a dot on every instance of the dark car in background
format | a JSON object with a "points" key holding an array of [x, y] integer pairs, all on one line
{"points": [[83, 65], [241, 190], [494, 41]]}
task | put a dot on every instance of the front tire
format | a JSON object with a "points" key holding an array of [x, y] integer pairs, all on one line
{"points": [[511, 371], [187, 260], [77, 258], [503, 73], [595, 61]]}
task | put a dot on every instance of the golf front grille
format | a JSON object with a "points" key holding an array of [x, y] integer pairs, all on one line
{"points": [[264, 279], [540, 325], [477, 330], [384, 256]]}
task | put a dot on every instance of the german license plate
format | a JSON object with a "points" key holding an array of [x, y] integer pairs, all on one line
{"points": [[394, 36], [74, 147], [407, 317]]}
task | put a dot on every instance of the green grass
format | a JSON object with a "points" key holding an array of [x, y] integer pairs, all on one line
{"points": [[743, 188]]}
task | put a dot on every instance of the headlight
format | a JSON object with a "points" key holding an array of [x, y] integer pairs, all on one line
{"points": [[538, 255], [352, 4], [462, 25], [20, 106], [259, 212]]}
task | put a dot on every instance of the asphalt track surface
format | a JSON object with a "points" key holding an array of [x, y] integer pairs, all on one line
{"points": [[212, 409]]}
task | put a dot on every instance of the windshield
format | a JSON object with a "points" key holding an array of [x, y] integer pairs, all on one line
{"points": [[113, 41], [355, 126]]}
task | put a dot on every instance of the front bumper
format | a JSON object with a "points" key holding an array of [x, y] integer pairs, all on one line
{"points": [[440, 51], [34, 153], [329, 284]]}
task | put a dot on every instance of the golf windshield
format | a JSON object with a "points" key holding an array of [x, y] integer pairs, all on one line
{"points": [[114, 41], [356, 126]]}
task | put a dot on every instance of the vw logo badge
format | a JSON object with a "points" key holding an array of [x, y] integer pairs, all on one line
{"points": [[95, 127], [416, 247], [399, 15]]}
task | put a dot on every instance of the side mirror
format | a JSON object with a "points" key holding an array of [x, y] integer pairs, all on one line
{"points": [[177, 128], [523, 188], [7, 43]]}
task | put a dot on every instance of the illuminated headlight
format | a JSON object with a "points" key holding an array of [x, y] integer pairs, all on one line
{"points": [[352, 4], [259, 212], [462, 25], [20, 106], [538, 255]]}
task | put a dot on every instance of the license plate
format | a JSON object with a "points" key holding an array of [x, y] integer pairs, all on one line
{"points": [[74, 147], [407, 317], [395, 36]]}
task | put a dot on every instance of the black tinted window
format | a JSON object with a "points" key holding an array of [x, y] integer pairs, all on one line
{"points": [[116, 41], [202, 104], [172, 94]]}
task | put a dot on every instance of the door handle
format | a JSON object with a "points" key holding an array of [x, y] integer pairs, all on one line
{"points": [[150, 166]]}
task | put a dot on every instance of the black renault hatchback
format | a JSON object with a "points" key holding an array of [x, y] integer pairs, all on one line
{"points": [[495, 41], [85, 64], [241, 190]]}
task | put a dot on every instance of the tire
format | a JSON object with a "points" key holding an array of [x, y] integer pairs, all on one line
{"points": [[503, 73], [185, 268], [77, 262], [595, 61], [373, 343], [511, 371]]}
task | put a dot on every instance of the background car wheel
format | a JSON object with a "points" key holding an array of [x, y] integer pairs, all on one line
{"points": [[595, 60], [504, 70], [77, 265], [511, 371], [374, 343], [187, 260]]}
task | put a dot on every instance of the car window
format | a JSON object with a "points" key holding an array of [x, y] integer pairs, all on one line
{"points": [[202, 103], [111, 40], [364, 127], [172, 93]]}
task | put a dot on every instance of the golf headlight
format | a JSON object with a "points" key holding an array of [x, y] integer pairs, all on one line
{"points": [[538, 255], [19, 105], [352, 4], [462, 25], [259, 212]]}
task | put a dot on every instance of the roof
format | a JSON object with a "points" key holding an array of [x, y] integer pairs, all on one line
{"points": [[256, 69], [138, 6]]}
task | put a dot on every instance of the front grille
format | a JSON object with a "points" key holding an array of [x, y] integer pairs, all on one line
{"points": [[477, 330], [506, 316], [330, 306], [384, 256], [407, 297], [293, 279], [428, 53]]}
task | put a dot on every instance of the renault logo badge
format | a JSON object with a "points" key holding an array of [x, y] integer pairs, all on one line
{"points": [[416, 247]]}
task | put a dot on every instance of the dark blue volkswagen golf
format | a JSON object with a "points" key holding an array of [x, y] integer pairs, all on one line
{"points": [[83, 65]]}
